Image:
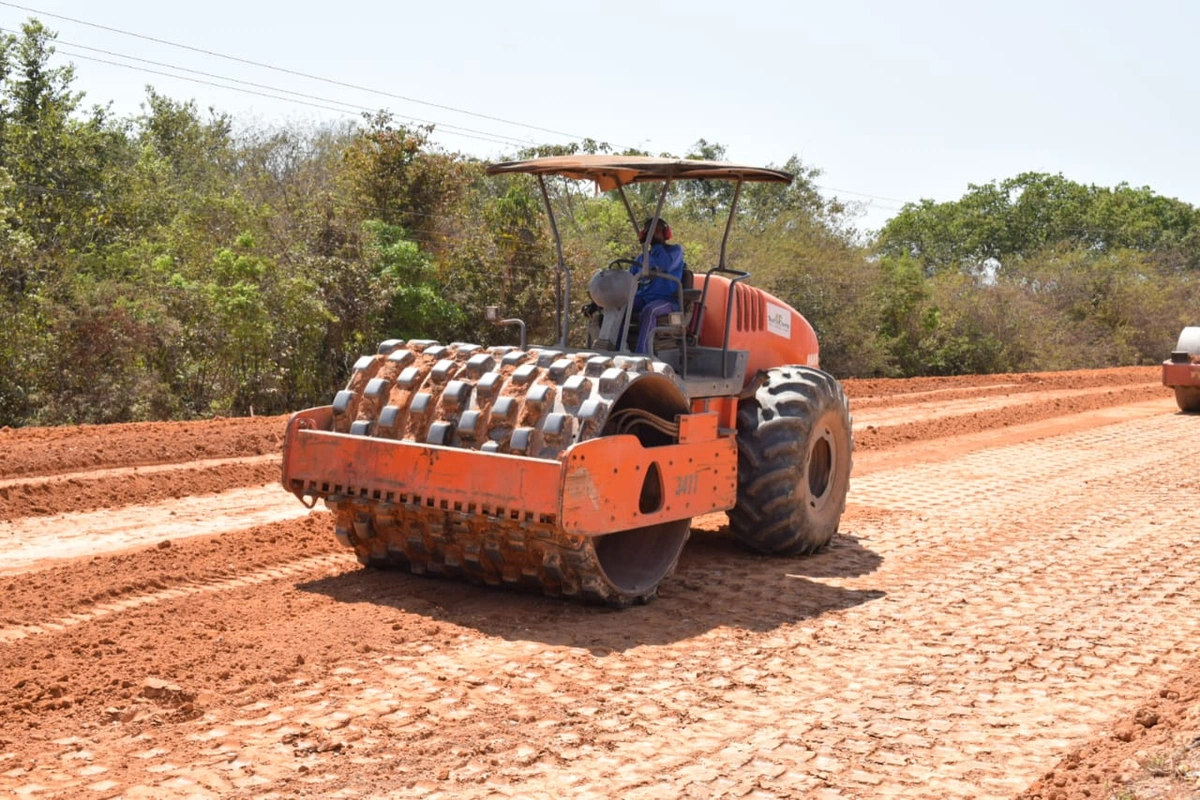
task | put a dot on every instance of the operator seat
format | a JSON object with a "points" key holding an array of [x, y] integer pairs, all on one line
{"points": [[676, 332]]}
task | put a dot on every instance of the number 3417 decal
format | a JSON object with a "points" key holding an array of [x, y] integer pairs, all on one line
{"points": [[687, 484]]}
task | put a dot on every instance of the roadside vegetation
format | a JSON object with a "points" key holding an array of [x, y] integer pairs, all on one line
{"points": [[172, 265]]}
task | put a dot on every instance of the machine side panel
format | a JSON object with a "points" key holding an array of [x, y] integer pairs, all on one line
{"points": [[1181, 374], [771, 331], [614, 483]]}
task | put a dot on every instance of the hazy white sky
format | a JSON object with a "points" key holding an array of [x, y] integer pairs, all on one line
{"points": [[892, 101]]}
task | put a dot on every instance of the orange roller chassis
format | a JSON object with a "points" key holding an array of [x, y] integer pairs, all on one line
{"points": [[1185, 374], [597, 487]]}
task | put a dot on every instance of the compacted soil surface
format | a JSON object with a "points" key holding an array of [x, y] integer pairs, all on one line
{"points": [[1010, 610]]}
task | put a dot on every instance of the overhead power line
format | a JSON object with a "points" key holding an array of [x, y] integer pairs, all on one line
{"points": [[862, 194], [314, 101], [353, 109], [295, 73]]}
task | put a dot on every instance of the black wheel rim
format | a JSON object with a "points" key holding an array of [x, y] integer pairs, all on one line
{"points": [[820, 469]]}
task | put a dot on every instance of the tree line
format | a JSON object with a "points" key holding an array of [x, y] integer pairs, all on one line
{"points": [[170, 265]]}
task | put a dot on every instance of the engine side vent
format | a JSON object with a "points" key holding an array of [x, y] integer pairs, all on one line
{"points": [[749, 309]]}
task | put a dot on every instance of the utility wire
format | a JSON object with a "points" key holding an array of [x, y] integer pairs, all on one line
{"points": [[263, 94], [307, 101], [861, 194], [295, 73], [456, 130]]}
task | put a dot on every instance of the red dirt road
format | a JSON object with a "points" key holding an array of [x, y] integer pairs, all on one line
{"points": [[1008, 611]]}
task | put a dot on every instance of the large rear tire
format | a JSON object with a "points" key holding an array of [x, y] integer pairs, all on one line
{"points": [[794, 457]]}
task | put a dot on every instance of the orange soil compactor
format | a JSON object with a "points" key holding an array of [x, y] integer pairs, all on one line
{"points": [[576, 471]]}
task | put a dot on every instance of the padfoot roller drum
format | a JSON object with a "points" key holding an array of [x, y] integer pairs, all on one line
{"points": [[573, 474]]}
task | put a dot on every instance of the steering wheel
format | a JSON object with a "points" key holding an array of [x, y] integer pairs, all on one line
{"points": [[627, 263]]}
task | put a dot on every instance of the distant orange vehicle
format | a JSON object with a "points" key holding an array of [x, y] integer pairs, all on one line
{"points": [[575, 469], [1181, 371]]}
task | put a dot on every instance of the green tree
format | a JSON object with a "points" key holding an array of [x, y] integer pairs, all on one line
{"points": [[392, 174], [995, 223], [56, 159], [906, 315], [415, 307]]}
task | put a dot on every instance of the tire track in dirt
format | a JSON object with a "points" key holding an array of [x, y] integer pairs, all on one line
{"points": [[32, 541], [943, 450], [1002, 415], [923, 408], [63, 588], [849, 712], [132, 486], [29, 452], [294, 569], [882, 391], [1053, 627]]}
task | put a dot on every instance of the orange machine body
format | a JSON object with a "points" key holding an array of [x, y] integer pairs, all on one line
{"points": [[770, 330], [1182, 373]]}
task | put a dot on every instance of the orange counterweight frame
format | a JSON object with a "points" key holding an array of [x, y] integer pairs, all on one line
{"points": [[1181, 374], [595, 487]]}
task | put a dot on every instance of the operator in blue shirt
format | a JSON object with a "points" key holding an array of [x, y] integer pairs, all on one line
{"points": [[656, 296]]}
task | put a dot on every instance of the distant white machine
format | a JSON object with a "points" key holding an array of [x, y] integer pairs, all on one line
{"points": [[1181, 371]]}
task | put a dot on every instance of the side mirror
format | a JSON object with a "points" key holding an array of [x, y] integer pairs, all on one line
{"points": [[492, 315]]}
